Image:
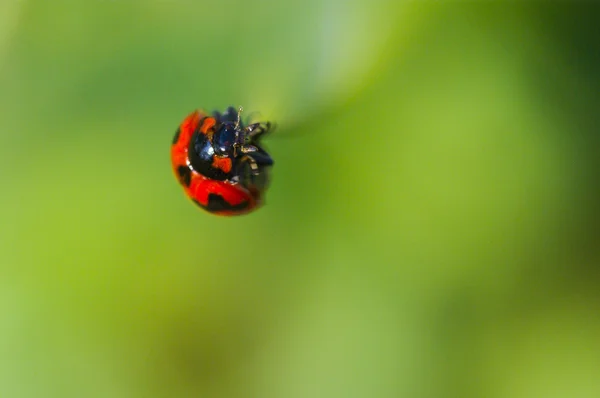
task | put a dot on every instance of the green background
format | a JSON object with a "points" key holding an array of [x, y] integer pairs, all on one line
{"points": [[432, 227]]}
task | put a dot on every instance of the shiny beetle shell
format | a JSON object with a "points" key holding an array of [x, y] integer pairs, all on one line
{"points": [[220, 162]]}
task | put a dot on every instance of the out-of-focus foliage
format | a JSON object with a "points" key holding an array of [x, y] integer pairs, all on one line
{"points": [[432, 229]]}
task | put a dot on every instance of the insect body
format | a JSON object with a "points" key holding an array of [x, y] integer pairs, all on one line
{"points": [[220, 162]]}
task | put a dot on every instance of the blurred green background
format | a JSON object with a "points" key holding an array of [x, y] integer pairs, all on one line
{"points": [[432, 228]]}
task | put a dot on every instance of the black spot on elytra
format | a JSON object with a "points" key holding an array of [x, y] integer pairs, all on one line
{"points": [[185, 175], [218, 203], [176, 137]]}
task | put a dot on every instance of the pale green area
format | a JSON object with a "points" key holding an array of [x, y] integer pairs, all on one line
{"points": [[431, 229]]}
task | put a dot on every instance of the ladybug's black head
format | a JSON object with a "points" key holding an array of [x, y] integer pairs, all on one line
{"points": [[231, 132], [226, 136], [230, 149]]}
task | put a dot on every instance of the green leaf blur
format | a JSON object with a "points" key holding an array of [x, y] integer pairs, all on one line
{"points": [[431, 230]]}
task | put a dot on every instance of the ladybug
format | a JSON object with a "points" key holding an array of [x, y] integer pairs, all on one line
{"points": [[220, 162]]}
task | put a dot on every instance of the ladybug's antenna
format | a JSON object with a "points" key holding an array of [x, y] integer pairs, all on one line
{"points": [[237, 124]]}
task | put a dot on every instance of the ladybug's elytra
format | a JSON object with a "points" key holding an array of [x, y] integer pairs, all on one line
{"points": [[220, 162]]}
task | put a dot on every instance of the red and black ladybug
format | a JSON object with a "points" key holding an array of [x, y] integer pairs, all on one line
{"points": [[220, 162]]}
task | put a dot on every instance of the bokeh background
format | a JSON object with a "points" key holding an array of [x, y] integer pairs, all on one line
{"points": [[432, 228]]}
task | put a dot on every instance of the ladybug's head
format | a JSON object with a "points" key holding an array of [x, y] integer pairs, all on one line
{"points": [[226, 136], [242, 142], [230, 150], [232, 136]]}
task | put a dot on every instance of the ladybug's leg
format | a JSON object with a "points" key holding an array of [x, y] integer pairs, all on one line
{"points": [[255, 130], [257, 155], [244, 169], [255, 158], [252, 170]]}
